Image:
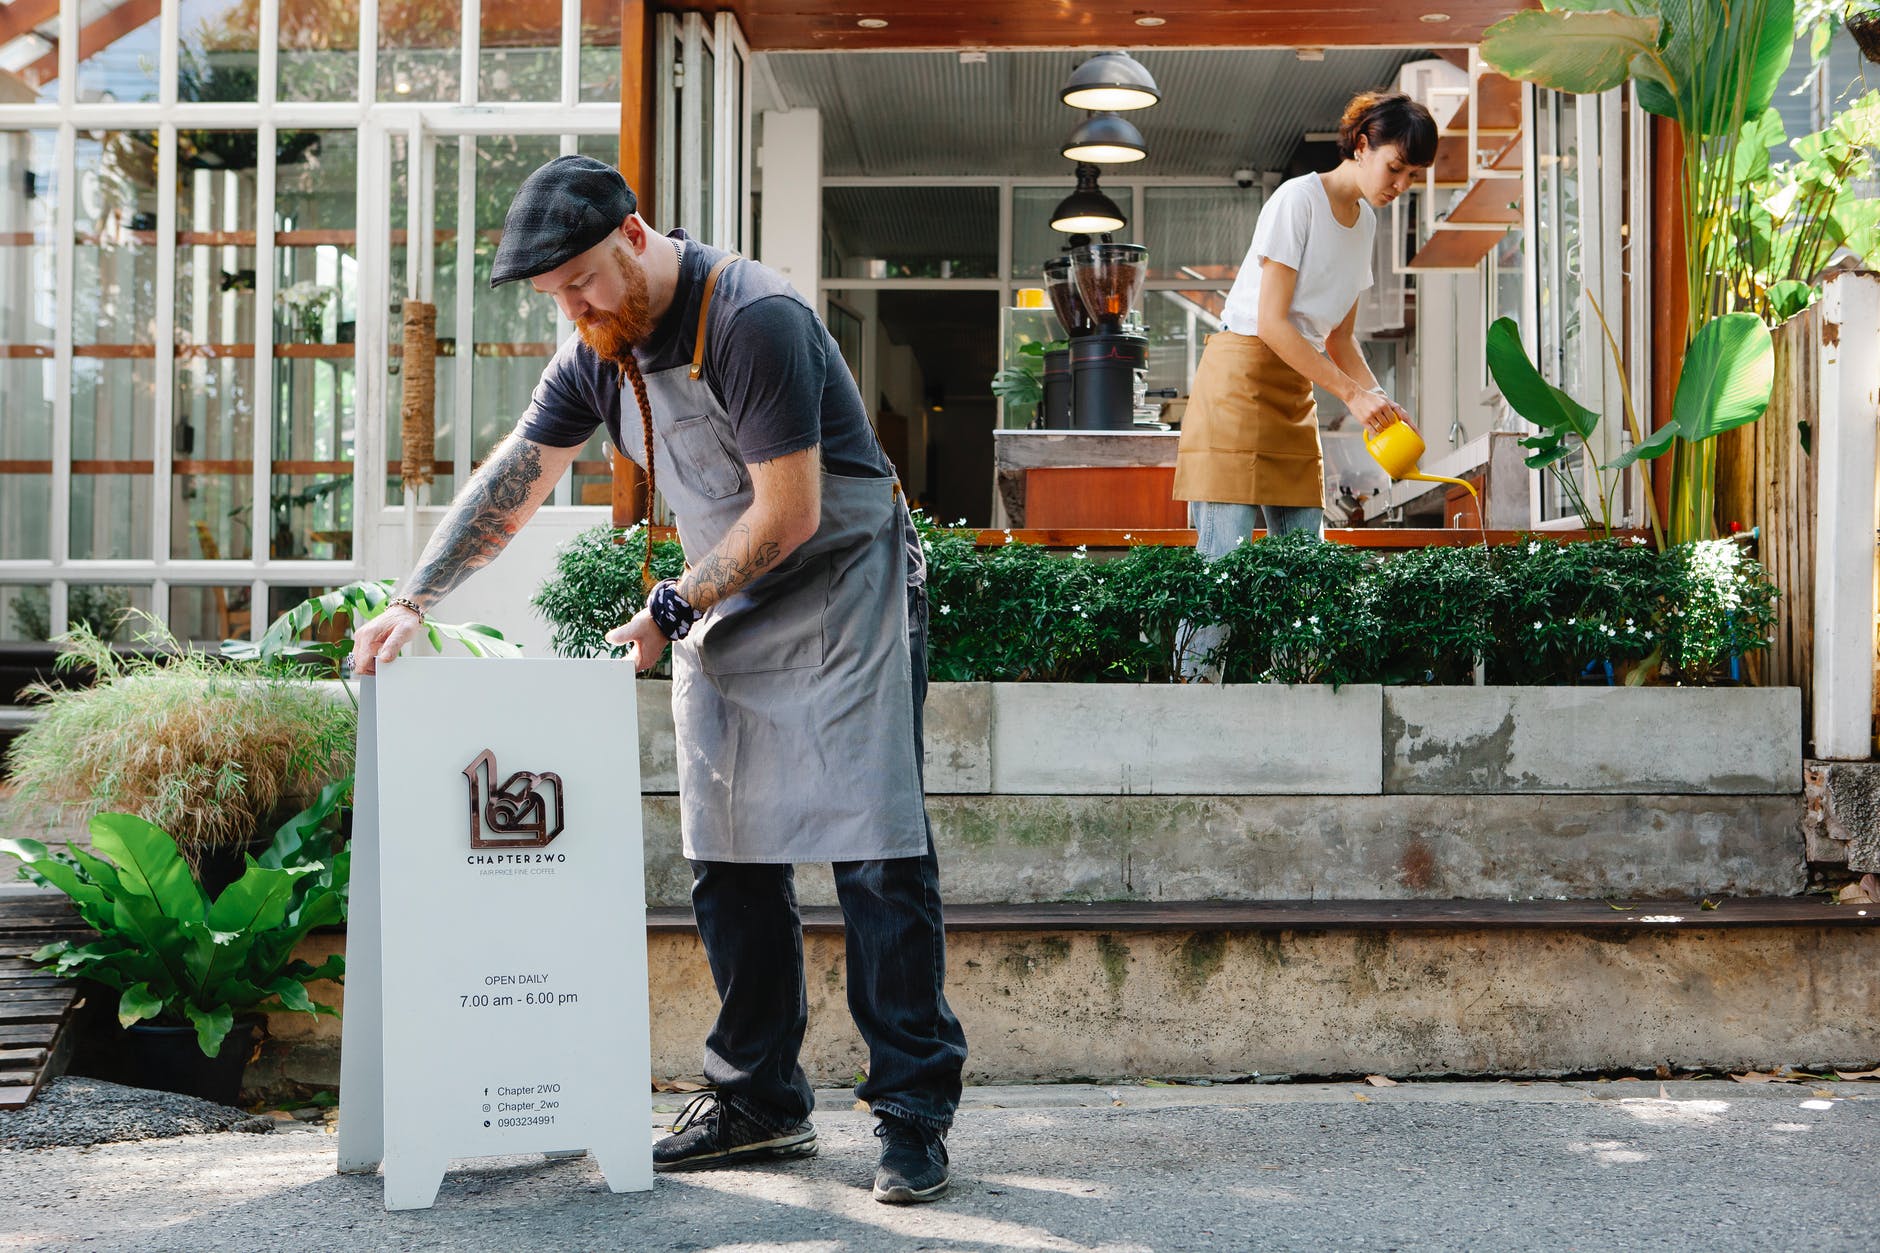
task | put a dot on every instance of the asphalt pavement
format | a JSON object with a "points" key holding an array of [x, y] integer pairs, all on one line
{"points": [[1072, 1168]]}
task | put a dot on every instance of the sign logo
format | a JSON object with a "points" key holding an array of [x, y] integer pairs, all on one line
{"points": [[525, 812]]}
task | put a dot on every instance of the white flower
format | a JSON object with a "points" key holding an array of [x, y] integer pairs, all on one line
{"points": [[1077, 608], [1314, 619], [946, 609], [1534, 546], [1296, 622], [1630, 629], [1537, 626], [1571, 621], [1126, 535]]}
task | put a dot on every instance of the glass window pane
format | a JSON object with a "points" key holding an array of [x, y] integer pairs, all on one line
{"points": [[114, 337], [31, 55], [209, 615], [600, 51], [1199, 233], [103, 607], [707, 173], [316, 308], [28, 311], [319, 43], [444, 237], [124, 66], [514, 325], [113, 399], [212, 477], [911, 232], [593, 476], [519, 52], [420, 50], [25, 613], [219, 53], [1177, 323]]}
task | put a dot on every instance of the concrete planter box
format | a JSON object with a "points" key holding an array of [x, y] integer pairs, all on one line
{"points": [[1097, 739], [1705, 741]]}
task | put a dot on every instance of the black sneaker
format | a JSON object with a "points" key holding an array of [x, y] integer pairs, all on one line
{"points": [[913, 1162], [711, 1132]]}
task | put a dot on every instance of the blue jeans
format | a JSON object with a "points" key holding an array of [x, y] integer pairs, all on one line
{"points": [[753, 936], [1219, 529]]}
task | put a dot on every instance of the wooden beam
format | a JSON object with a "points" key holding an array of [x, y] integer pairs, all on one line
{"points": [[24, 15], [1671, 294], [638, 135], [98, 36]]}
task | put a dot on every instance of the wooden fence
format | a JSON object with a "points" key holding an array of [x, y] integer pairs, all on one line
{"points": [[1778, 476]]}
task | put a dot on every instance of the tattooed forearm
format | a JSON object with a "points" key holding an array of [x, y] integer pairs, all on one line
{"points": [[490, 510], [739, 557]]}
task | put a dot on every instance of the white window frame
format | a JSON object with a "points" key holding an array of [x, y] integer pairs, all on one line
{"points": [[373, 121]]}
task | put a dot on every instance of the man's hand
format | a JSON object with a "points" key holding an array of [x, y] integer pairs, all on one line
{"points": [[383, 638], [643, 638]]}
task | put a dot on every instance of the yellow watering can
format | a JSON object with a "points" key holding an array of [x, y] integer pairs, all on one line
{"points": [[1398, 448]]}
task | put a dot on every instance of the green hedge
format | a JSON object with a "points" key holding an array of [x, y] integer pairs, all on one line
{"points": [[1298, 611]]}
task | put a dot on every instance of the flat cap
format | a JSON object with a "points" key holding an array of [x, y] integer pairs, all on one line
{"points": [[560, 211]]}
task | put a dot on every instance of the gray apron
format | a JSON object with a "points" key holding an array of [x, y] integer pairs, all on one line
{"points": [[793, 699]]}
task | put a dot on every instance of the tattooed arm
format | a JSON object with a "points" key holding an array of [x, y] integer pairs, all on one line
{"points": [[786, 507], [785, 510], [503, 494]]}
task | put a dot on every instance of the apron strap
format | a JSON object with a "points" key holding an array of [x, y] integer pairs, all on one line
{"points": [[704, 308]]}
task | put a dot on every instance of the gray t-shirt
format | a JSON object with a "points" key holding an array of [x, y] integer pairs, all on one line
{"points": [[772, 365]]}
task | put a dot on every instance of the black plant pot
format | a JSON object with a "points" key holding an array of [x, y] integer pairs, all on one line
{"points": [[169, 1059], [1863, 23]]}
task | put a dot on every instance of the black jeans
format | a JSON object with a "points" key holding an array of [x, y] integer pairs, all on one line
{"points": [[753, 936]]}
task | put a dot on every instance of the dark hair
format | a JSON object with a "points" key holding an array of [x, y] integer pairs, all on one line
{"points": [[1388, 118]]}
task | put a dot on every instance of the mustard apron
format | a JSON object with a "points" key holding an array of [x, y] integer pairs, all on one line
{"points": [[1250, 435]]}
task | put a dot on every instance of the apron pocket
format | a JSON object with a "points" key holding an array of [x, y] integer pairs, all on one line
{"points": [[784, 631], [703, 461]]}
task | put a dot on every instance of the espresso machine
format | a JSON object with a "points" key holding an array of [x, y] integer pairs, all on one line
{"points": [[1106, 359], [1061, 285]]}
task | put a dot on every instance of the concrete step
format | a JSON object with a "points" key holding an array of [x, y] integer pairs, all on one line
{"points": [[1405, 988], [1018, 849]]}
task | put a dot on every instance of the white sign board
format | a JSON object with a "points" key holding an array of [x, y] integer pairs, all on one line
{"points": [[496, 997]]}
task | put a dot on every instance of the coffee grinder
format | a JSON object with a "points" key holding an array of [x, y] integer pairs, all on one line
{"points": [[1106, 360], [1075, 317]]}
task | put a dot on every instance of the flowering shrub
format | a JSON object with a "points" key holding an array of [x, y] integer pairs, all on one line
{"points": [[1297, 610]]}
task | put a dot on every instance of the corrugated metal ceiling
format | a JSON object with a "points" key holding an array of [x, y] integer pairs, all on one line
{"points": [[902, 113]]}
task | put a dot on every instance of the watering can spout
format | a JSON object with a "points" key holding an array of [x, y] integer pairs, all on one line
{"points": [[1398, 448]]}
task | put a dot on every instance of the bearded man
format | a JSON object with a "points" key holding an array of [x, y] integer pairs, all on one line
{"points": [[799, 651]]}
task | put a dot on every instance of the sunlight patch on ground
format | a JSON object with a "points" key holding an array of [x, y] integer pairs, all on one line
{"points": [[852, 1204], [1041, 1183], [1608, 1152], [1666, 1111]]}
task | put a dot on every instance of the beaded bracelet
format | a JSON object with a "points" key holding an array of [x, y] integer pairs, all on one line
{"points": [[406, 602]]}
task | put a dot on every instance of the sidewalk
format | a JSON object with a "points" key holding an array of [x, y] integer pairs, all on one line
{"points": [[1705, 1165]]}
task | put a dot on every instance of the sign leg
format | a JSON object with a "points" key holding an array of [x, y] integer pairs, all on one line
{"points": [[412, 1182], [624, 1170], [362, 1036]]}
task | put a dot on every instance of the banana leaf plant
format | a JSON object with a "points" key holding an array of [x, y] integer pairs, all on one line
{"points": [[1790, 217], [1712, 67], [358, 601], [175, 955]]}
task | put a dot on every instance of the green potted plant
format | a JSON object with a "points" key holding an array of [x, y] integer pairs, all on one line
{"points": [[214, 752], [194, 972], [1712, 69]]}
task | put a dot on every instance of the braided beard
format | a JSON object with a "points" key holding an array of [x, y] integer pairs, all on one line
{"points": [[613, 334]]}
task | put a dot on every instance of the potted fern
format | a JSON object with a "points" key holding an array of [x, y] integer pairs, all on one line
{"points": [[194, 972]]}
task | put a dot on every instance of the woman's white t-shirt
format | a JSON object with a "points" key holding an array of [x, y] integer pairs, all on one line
{"points": [[1297, 229]]}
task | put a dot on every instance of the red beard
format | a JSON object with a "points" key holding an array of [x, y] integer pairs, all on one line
{"points": [[614, 334]]}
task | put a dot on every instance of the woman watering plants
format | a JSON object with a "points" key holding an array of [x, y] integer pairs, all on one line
{"points": [[1249, 453]]}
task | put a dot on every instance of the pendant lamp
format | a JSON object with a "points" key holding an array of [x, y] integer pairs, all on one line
{"points": [[1110, 80], [1106, 139], [1087, 210]]}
